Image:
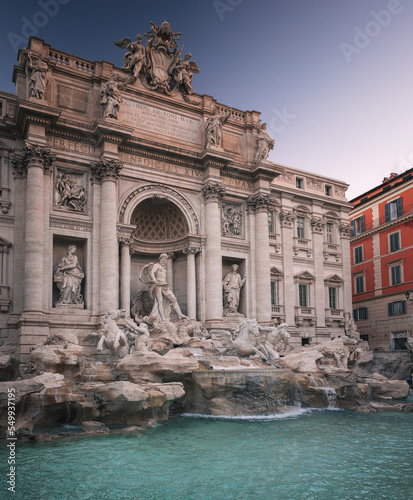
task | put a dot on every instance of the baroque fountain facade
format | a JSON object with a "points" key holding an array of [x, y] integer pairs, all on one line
{"points": [[153, 257]]}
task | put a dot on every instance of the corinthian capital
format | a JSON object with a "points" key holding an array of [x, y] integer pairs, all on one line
{"points": [[36, 156], [106, 170], [260, 202], [213, 191]]}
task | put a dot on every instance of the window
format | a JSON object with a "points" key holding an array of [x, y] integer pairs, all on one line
{"points": [[271, 222], [305, 342], [329, 232], [299, 183], [398, 307], [360, 313], [396, 274], [300, 227], [328, 190], [358, 254], [332, 297], [303, 295], [393, 209], [359, 284], [394, 242], [398, 341], [275, 293], [358, 226]]}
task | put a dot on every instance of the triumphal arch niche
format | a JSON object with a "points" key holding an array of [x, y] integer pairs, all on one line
{"points": [[125, 177]]}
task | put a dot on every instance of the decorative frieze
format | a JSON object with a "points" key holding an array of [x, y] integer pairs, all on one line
{"points": [[65, 223], [106, 170], [314, 184]]}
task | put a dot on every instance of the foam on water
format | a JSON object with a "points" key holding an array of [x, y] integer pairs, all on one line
{"points": [[292, 413]]}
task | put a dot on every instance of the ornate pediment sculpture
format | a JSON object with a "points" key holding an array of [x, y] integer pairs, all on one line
{"points": [[160, 64]]}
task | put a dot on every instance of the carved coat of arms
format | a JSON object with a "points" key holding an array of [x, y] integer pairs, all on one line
{"points": [[159, 65]]}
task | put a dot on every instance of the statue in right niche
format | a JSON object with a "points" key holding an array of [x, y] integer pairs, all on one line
{"points": [[232, 284]]}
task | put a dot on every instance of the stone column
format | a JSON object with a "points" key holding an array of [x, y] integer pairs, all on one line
{"points": [[107, 172], [260, 203], [36, 161], [317, 227], [125, 274], [286, 220], [170, 270], [345, 232], [191, 281], [213, 193]]}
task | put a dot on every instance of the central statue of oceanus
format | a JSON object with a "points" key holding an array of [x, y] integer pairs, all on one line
{"points": [[154, 275]]}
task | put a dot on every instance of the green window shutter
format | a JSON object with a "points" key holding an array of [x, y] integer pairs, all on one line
{"points": [[399, 207], [403, 311], [353, 228], [362, 224], [390, 308], [387, 212]]}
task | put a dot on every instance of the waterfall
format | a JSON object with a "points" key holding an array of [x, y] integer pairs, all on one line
{"points": [[330, 392]]}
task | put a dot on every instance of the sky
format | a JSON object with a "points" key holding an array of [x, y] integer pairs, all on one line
{"points": [[332, 78]]}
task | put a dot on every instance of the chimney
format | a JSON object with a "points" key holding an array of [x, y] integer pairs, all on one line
{"points": [[393, 175]]}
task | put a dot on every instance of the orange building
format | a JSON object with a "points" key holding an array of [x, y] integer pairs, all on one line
{"points": [[382, 262]]}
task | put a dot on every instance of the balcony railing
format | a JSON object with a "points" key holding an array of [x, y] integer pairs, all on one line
{"points": [[376, 223]]}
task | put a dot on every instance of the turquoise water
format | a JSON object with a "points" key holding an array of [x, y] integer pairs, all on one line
{"points": [[317, 454]]}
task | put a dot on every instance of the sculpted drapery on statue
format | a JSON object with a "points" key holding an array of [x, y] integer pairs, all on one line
{"points": [[265, 143], [38, 75], [154, 275], [110, 95], [160, 64], [232, 284], [68, 276], [213, 128]]}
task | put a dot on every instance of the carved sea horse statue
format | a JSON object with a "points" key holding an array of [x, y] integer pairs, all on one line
{"points": [[110, 336], [240, 341]]}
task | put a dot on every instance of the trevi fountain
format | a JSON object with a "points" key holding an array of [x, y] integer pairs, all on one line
{"points": [[157, 341]]}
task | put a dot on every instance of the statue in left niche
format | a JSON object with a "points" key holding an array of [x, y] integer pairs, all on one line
{"points": [[38, 75], [68, 276], [110, 95]]}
